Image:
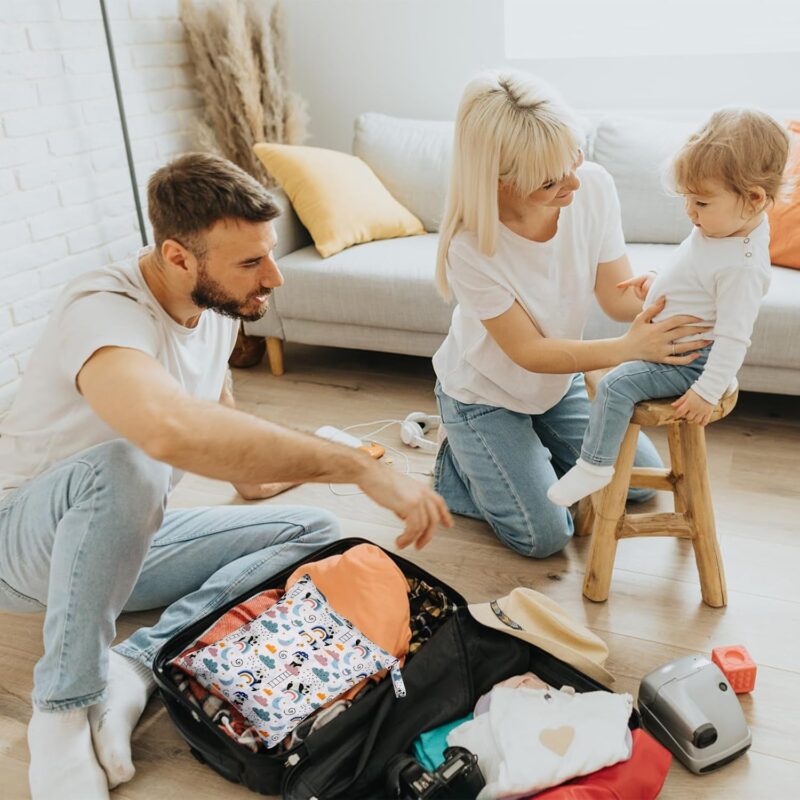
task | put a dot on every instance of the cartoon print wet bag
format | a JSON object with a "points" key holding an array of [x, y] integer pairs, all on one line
{"points": [[292, 659]]}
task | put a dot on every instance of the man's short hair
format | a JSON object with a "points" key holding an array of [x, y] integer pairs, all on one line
{"points": [[187, 196]]}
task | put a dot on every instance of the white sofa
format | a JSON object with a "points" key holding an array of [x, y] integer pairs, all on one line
{"points": [[381, 295]]}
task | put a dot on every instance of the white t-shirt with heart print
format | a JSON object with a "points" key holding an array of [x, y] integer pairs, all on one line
{"points": [[532, 739]]}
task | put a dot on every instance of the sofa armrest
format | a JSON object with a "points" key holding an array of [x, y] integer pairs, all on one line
{"points": [[291, 233]]}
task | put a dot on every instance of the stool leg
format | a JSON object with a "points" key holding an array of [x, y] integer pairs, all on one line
{"points": [[676, 464], [584, 517], [609, 511], [701, 512]]}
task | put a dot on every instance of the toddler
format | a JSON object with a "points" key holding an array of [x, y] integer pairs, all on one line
{"points": [[728, 172]]}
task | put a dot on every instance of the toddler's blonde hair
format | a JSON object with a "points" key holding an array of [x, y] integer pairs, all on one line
{"points": [[740, 148]]}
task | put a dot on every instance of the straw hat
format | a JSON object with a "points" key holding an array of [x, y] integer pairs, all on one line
{"points": [[535, 618]]}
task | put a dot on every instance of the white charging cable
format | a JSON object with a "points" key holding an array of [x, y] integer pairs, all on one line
{"points": [[384, 423]]}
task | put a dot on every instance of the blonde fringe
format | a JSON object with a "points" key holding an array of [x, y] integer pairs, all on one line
{"points": [[238, 51]]}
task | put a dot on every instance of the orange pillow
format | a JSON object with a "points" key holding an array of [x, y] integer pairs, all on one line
{"points": [[784, 217], [366, 586]]}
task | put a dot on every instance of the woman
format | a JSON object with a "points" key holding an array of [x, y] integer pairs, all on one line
{"points": [[530, 234]]}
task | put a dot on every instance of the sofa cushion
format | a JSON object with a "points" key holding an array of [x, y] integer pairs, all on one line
{"points": [[412, 159], [637, 153], [784, 216], [337, 196], [386, 284], [288, 228], [776, 334], [390, 285]]}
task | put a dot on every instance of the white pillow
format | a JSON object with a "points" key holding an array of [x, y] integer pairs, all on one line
{"points": [[411, 159], [637, 152]]}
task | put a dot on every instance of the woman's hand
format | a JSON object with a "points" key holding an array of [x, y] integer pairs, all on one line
{"points": [[640, 284], [693, 408], [646, 340]]}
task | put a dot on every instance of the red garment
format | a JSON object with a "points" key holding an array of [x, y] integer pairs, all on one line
{"points": [[228, 718], [639, 778], [239, 615]]}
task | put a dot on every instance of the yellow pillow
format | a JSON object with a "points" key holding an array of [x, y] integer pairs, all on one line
{"points": [[337, 196]]}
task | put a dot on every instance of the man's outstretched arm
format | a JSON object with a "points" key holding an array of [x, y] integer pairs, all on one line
{"points": [[251, 491], [133, 394]]}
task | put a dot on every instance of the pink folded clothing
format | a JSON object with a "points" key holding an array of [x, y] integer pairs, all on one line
{"points": [[527, 680]]}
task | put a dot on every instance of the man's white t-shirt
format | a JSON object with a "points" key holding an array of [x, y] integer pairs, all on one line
{"points": [[553, 281], [49, 419]]}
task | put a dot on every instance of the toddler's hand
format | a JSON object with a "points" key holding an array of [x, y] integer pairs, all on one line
{"points": [[640, 284], [693, 408]]}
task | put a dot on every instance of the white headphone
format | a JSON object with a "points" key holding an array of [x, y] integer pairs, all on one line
{"points": [[414, 427]]}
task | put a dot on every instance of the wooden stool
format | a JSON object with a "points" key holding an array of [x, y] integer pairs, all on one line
{"points": [[605, 517]]}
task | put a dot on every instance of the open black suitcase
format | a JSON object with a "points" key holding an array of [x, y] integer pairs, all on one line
{"points": [[347, 758]]}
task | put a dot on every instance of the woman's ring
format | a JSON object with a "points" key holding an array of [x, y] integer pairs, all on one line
{"points": [[673, 348]]}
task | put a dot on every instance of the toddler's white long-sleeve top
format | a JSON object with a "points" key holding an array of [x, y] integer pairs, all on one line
{"points": [[721, 281]]}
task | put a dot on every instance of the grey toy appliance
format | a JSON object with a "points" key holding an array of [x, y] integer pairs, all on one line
{"points": [[689, 706]]}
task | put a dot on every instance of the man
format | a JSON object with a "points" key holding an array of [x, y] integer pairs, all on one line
{"points": [[125, 391]]}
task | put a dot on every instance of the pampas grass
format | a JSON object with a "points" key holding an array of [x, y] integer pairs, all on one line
{"points": [[238, 51]]}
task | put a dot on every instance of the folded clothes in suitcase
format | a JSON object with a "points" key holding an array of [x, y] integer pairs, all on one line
{"points": [[347, 758]]}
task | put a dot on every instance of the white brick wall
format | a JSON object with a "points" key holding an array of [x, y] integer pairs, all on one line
{"points": [[65, 199]]}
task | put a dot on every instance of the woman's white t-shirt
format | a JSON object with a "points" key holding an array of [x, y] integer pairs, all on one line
{"points": [[553, 281]]}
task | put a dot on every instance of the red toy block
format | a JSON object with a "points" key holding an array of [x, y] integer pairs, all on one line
{"points": [[737, 666]]}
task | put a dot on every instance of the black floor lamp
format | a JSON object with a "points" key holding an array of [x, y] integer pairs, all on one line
{"points": [[123, 122]]}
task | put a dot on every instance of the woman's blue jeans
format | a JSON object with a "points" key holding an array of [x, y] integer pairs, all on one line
{"points": [[89, 539], [496, 465]]}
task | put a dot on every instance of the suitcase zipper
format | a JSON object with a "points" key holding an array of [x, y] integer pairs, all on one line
{"points": [[397, 683]]}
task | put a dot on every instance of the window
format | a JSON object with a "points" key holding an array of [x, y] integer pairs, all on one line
{"points": [[607, 28]]}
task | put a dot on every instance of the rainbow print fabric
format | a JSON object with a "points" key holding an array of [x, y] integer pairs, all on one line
{"points": [[292, 659]]}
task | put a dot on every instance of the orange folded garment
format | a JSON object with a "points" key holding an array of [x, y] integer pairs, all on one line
{"points": [[367, 587]]}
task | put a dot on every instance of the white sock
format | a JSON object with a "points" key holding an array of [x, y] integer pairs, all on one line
{"points": [[63, 764], [582, 480], [130, 684]]}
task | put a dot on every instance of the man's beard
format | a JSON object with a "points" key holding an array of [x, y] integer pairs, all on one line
{"points": [[207, 293]]}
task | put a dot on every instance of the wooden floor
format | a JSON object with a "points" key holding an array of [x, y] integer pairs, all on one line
{"points": [[654, 613]]}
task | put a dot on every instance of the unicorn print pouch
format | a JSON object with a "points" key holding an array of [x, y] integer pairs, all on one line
{"points": [[292, 659]]}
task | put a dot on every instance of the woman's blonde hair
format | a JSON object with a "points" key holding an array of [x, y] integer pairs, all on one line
{"points": [[511, 127], [741, 148]]}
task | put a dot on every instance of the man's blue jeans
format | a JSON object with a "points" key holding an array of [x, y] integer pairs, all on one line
{"points": [[620, 390], [89, 539], [496, 465]]}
